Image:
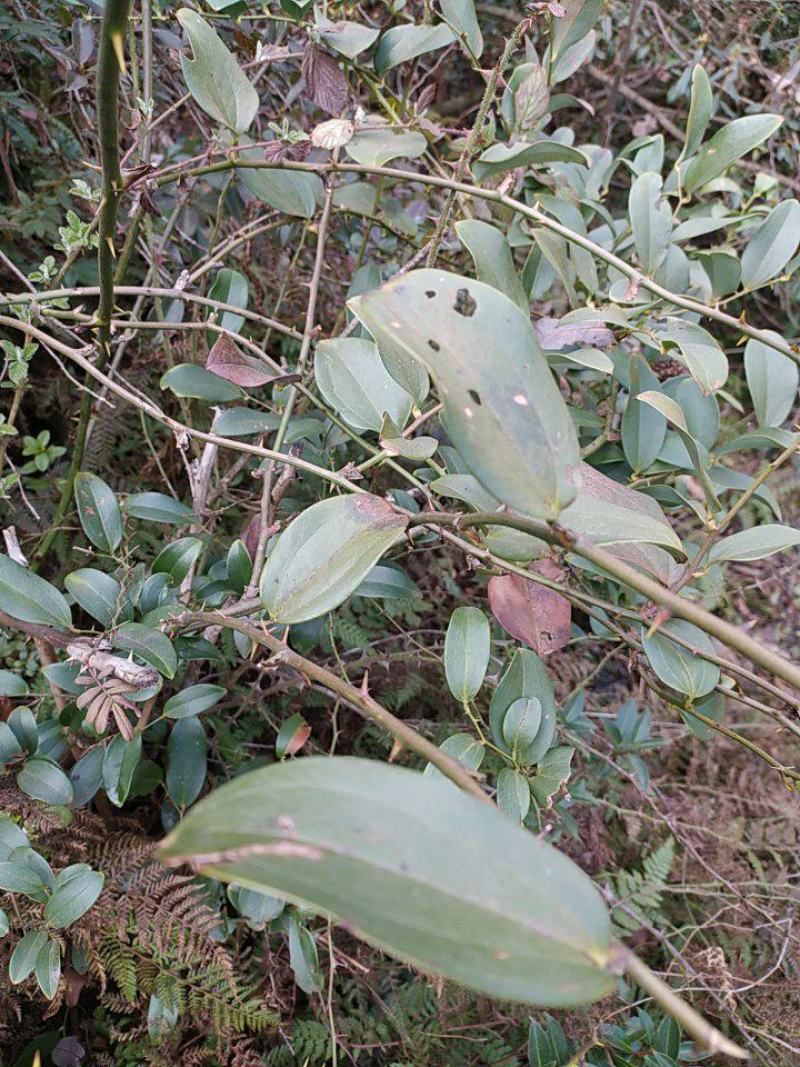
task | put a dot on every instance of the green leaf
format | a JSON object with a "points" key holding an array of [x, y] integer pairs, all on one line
{"points": [[376, 148], [348, 38], [354, 382], [157, 507], [772, 245], [513, 794], [177, 558], [189, 380], [678, 667], [23, 958], [705, 360], [5, 925], [772, 379], [11, 837], [45, 781], [651, 221], [244, 422], [193, 701], [521, 725], [403, 43], [18, 877], [10, 748], [505, 913], [303, 957], [11, 685], [494, 263], [77, 888], [501, 158], [466, 652], [525, 678], [26, 596], [230, 287], [643, 428], [325, 554], [97, 593], [98, 511], [755, 543], [386, 581], [578, 19], [292, 193], [727, 146], [120, 761], [23, 725], [87, 776], [553, 771], [463, 747], [512, 429], [239, 566], [150, 645], [186, 761], [700, 108], [48, 968], [214, 78], [460, 14], [713, 707]]}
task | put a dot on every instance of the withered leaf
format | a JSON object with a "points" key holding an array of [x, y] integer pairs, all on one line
{"points": [[556, 335], [325, 81], [534, 614], [227, 361]]}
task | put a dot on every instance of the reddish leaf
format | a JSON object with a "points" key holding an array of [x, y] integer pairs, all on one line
{"points": [[227, 361], [556, 335], [326, 84], [534, 614]]}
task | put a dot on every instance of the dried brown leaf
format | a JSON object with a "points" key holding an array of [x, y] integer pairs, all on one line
{"points": [[530, 612]]}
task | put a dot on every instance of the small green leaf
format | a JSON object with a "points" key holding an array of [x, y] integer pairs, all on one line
{"points": [[214, 78], [726, 146], [120, 761], [466, 652], [189, 380], [713, 707], [521, 725], [303, 957], [193, 701], [86, 776], [376, 148], [11, 837], [463, 747], [244, 422], [772, 245], [643, 428], [5, 925], [149, 644], [23, 958], [177, 558], [45, 781], [157, 507], [403, 43], [230, 287], [98, 511], [700, 109], [460, 14], [288, 192], [354, 382], [48, 968], [348, 38], [23, 725], [186, 761], [772, 379], [552, 772], [501, 158], [26, 596], [678, 667], [755, 543], [97, 593], [18, 877], [513, 794], [326, 552], [695, 346], [11, 685], [77, 888], [239, 566]]}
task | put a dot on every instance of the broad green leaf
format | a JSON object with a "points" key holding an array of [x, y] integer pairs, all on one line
{"points": [[11, 836], [726, 146], [44, 780], [193, 701], [460, 14], [466, 652], [673, 411], [403, 43], [755, 543], [26, 596], [347, 38], [772, 379], [177, 558], [512, 429], [257, 907], [157, 507], [11, 685], [501, 158], [355, 839], [678, 667], [186, 761], [120, 760], [10, 747], [23, 958], [570, 27], [23, 725], [325, 554], [98, 511], [354, 382], [386, 581], [376, 148], [149, 644], [713, 707], [772, 245], [553, 771], [651, 221], [48, 968], [494, 264], [643, 428], [214, 78], [463, 747], [190, 380], [86, 776], [526, 677], [97, 593], [244, 422], [698, 350], [77, 888], [417, 449], [17, 877], [290, 192], [700, 109], [230, 287], [513, 794]]}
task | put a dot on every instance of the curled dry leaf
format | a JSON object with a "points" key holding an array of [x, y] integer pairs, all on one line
{"points": [[530, 612], [227, 361], [332, 134], [555, 335], [104, 698], [326, 84]]}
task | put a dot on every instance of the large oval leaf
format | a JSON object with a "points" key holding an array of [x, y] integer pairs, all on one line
{"points": [[354, 382], [502, 407], [772, 379], [26, 596], [727, 145], [98, 511], [466, 652], [772, 245], [466, 893], [97, 593], [325, 554], [678, 667], [214, 78]]}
